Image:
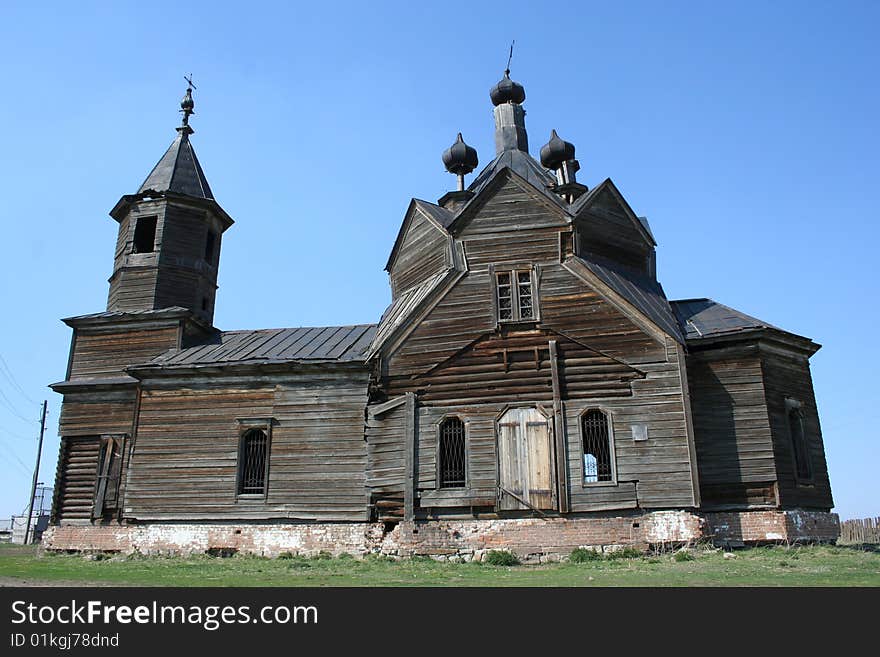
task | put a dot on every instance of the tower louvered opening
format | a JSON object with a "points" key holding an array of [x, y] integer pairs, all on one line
{"points": [[452, 453], [252, 463], [597, 447]]}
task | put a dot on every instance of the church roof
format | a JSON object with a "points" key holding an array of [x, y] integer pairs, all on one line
{"points": [[524, 165], [342, 344], [702, 318], [641, 290], [179, 171]]}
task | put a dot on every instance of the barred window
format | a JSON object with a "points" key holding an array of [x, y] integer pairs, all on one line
{"points": [[515, 296], [452, 453], [253, 462], [596, 447], [802, 465]]}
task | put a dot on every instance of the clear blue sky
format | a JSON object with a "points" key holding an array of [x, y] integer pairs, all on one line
{"points": [[747, 133]]}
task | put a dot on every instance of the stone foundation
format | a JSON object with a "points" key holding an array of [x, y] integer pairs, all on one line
{"points": [[532, 539]]}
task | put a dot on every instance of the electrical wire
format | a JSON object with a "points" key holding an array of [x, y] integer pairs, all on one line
{"points": [[6, 371]]}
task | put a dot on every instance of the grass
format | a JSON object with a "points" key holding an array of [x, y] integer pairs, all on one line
{"points": [[767, 566]]}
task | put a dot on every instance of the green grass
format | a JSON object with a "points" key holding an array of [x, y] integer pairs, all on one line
{"points": [[770, 566]]}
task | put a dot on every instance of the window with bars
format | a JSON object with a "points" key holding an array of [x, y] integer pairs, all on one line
{"points": [[515, 295], [802, 465], [597, 447], [253, 461], [452, 454]]}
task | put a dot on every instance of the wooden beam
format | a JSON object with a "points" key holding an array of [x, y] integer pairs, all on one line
{"points": [[559, 431], [409, 440]]}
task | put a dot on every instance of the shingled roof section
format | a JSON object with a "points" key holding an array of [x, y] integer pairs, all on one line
{"points": [[701, 318], [526, 167], [179, 171], [341, 344]]}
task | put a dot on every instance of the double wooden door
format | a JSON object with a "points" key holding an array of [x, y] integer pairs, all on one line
{"points": [[525, 460]]}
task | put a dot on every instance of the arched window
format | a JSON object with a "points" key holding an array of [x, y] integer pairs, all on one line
{"points": [[802, 465], [252, 463], [598, 461], [452, 459]]}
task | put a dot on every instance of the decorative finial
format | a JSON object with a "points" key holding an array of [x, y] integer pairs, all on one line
{"points": [[187, 106], [509, 58]]}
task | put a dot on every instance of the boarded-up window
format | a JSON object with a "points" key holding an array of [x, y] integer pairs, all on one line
{"points": [[109, 475], [144, 235], [253, 462], [452, 453], [515, 296], [598, 461], [799, 444]]}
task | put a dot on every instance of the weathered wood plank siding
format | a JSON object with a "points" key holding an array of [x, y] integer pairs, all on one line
{"points": [[75, 482], [97, 413], [732, 430], [185, 457], [386, 461], [423, 252], [606, 231], [790, 377], [108, 352]]}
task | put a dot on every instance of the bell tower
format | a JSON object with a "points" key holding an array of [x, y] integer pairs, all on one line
{"points": [[170, 232]]}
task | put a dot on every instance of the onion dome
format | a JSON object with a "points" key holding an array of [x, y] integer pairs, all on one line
{"points": [[556, 151], [460, 158], [507, 91]]}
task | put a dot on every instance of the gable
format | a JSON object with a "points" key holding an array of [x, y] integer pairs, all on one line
{"points": [[607, 227], [508, 203], [422, 246]]}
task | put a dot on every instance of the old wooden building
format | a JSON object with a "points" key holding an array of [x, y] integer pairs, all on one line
{"points": [[530, 386]]}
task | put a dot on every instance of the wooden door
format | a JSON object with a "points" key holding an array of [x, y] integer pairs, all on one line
{"points": [[525, 460]]}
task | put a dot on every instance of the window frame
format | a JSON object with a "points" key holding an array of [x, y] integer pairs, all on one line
{"points": [[134, 234], [513, 269], [246, 425], [609, 418], [796, 407], [438, 452]]}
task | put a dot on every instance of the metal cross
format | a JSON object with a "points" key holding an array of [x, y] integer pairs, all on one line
{"points": [[190, 82]]}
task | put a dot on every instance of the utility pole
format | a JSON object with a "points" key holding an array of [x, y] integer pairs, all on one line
{"points": [[27, 528]]}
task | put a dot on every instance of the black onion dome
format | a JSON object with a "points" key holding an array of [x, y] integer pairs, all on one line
{"points": [[186, 103], [556, 151], [460, 158], [507, 91]]}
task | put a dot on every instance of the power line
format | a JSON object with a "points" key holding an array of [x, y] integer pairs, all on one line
{"points": [[6, 371], [17, 461], [11, 408], [15, 435]]}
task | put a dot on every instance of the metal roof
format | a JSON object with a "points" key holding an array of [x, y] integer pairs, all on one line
{"points": [[178, 171], [340, 344], [641, 290], [704, 318]]}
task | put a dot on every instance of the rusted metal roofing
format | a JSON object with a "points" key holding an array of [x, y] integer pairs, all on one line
{"points": [[319, 344], [701, 318]]}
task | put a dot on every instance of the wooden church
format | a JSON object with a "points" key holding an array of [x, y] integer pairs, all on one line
{"points": [[530, 387]]}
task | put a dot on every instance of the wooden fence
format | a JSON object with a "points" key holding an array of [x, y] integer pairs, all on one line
{"points": [[860, 530]]}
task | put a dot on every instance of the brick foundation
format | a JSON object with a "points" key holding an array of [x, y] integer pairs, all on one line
{"points": [[772, 526], [532, 539]]}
